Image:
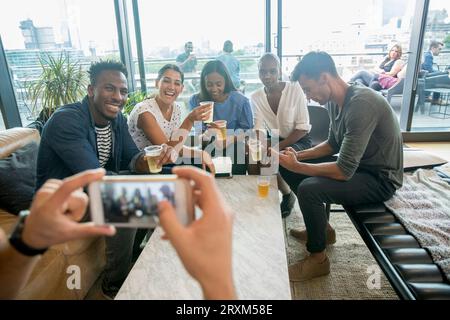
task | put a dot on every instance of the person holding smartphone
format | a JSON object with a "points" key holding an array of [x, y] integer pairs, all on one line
{"points": [[204, 246]]}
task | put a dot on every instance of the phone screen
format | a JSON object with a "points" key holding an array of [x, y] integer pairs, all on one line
{"points": [[133, 202]]}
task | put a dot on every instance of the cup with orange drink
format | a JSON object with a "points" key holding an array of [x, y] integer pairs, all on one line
{"points": [[263, 186]]}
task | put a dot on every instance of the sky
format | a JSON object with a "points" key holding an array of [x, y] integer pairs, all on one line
{"points": [[171, 24]]}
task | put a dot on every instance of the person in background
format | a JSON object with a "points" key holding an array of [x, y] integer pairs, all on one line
{"points": [[391, 65], [386, 81], [204, 247], [157, 120], [187, 61], [434, 78], [281, 106], [232, 64]]}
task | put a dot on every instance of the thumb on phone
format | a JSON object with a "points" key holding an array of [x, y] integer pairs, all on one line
{"points": [[169, 222]]}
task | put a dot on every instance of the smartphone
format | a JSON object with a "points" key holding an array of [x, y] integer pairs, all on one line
{"points": [[132, 201]]}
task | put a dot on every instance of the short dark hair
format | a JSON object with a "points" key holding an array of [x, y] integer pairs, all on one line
{"points": [[313, 65], [173, 67], [220, 68], [269, 56], [105, 65], [228, 46], [435, 44]]}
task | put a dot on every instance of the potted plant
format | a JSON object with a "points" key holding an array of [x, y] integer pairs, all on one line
{"points": [[62, 81], [133, 99]]}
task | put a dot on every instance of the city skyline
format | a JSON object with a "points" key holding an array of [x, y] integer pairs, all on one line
{"points": [[161, 32]]}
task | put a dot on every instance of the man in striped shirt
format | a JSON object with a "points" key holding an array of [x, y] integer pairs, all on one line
{"points": [[91, 134]]}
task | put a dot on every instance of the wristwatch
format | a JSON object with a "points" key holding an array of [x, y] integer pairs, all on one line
{"points": [[16, 238]]}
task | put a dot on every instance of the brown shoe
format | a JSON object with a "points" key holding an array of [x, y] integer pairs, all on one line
{"points": [[302, 235], [307, 269]]}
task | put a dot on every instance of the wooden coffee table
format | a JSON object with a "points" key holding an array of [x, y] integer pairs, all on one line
{"points": [[259, 254]]}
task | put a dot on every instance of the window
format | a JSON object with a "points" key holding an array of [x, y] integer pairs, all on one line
{"points": [[432, 106], [2, 124], [358, 34], [32, 30], [164, 37]]}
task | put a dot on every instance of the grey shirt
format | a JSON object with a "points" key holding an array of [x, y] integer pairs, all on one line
{"points": [[367, 136]]}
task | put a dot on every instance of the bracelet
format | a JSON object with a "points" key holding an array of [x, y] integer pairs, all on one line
{"points": [[16, 238]]}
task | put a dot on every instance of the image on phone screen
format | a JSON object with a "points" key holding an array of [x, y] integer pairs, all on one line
{"points": [[133, 202]]}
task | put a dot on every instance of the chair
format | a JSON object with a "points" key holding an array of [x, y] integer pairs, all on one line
{"points": [[320, 124], [396, 89]]}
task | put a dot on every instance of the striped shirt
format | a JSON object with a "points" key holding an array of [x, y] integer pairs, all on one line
{"points": [[104, 144]]}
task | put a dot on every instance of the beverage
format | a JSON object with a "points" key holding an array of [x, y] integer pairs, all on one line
{"points": [[221, 130], [255, 147], [263, 186], [211, 114], [152, 154]]}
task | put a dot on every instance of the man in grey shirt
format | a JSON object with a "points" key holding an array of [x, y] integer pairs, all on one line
{"points": [[365, 134]]}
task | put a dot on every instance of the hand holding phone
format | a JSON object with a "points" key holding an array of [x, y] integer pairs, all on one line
{"points": [[133, 201], [204, 246]]}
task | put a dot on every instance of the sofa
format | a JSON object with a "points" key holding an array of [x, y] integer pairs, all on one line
{"points": [[51, 274]]}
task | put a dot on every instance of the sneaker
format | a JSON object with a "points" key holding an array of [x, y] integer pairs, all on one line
{"points": [[308, 268], [302, 235], [287, 204]]}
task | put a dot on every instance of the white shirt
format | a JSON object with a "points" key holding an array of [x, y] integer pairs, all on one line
{"points": [[151, 106], [292, 112]]}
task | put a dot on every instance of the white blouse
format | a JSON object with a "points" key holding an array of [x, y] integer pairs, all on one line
{"points": [[151, 106], [292, 112]]}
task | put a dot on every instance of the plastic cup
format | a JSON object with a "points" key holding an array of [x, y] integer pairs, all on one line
{"points": [[255, 147], [152, 154], [263, 186], [222, 129], [211, 114]]}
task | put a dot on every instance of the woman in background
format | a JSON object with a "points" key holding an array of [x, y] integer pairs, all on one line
{"points": [[390, 66]]}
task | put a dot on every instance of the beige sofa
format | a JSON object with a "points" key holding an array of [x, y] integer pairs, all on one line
{"points": [[49, 278]]}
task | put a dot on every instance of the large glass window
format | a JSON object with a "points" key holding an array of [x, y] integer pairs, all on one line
{"points": [[2, 124], [359, 34], [36, 31], [432, 106], [164, 37]]}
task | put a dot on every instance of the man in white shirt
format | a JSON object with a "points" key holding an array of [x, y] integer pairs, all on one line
{"points": [[281, 106]]}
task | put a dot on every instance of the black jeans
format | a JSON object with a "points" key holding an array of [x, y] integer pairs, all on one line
{"points": [[312, 192]]}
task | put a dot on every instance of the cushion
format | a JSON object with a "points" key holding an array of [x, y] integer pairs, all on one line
{"points": [[416, 158], [18, 175]]}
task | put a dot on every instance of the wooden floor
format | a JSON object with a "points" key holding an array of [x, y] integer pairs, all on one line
{"points": [[441, 149]]}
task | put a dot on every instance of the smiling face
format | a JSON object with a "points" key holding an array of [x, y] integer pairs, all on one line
{"points": [[170, 86], [107, 96], [215, 85], [317, 90]]}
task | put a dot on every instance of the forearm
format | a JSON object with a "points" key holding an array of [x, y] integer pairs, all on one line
{"points": [[15, 270], [322, 150], [219, 290], [327, 170], [292, 138]]}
